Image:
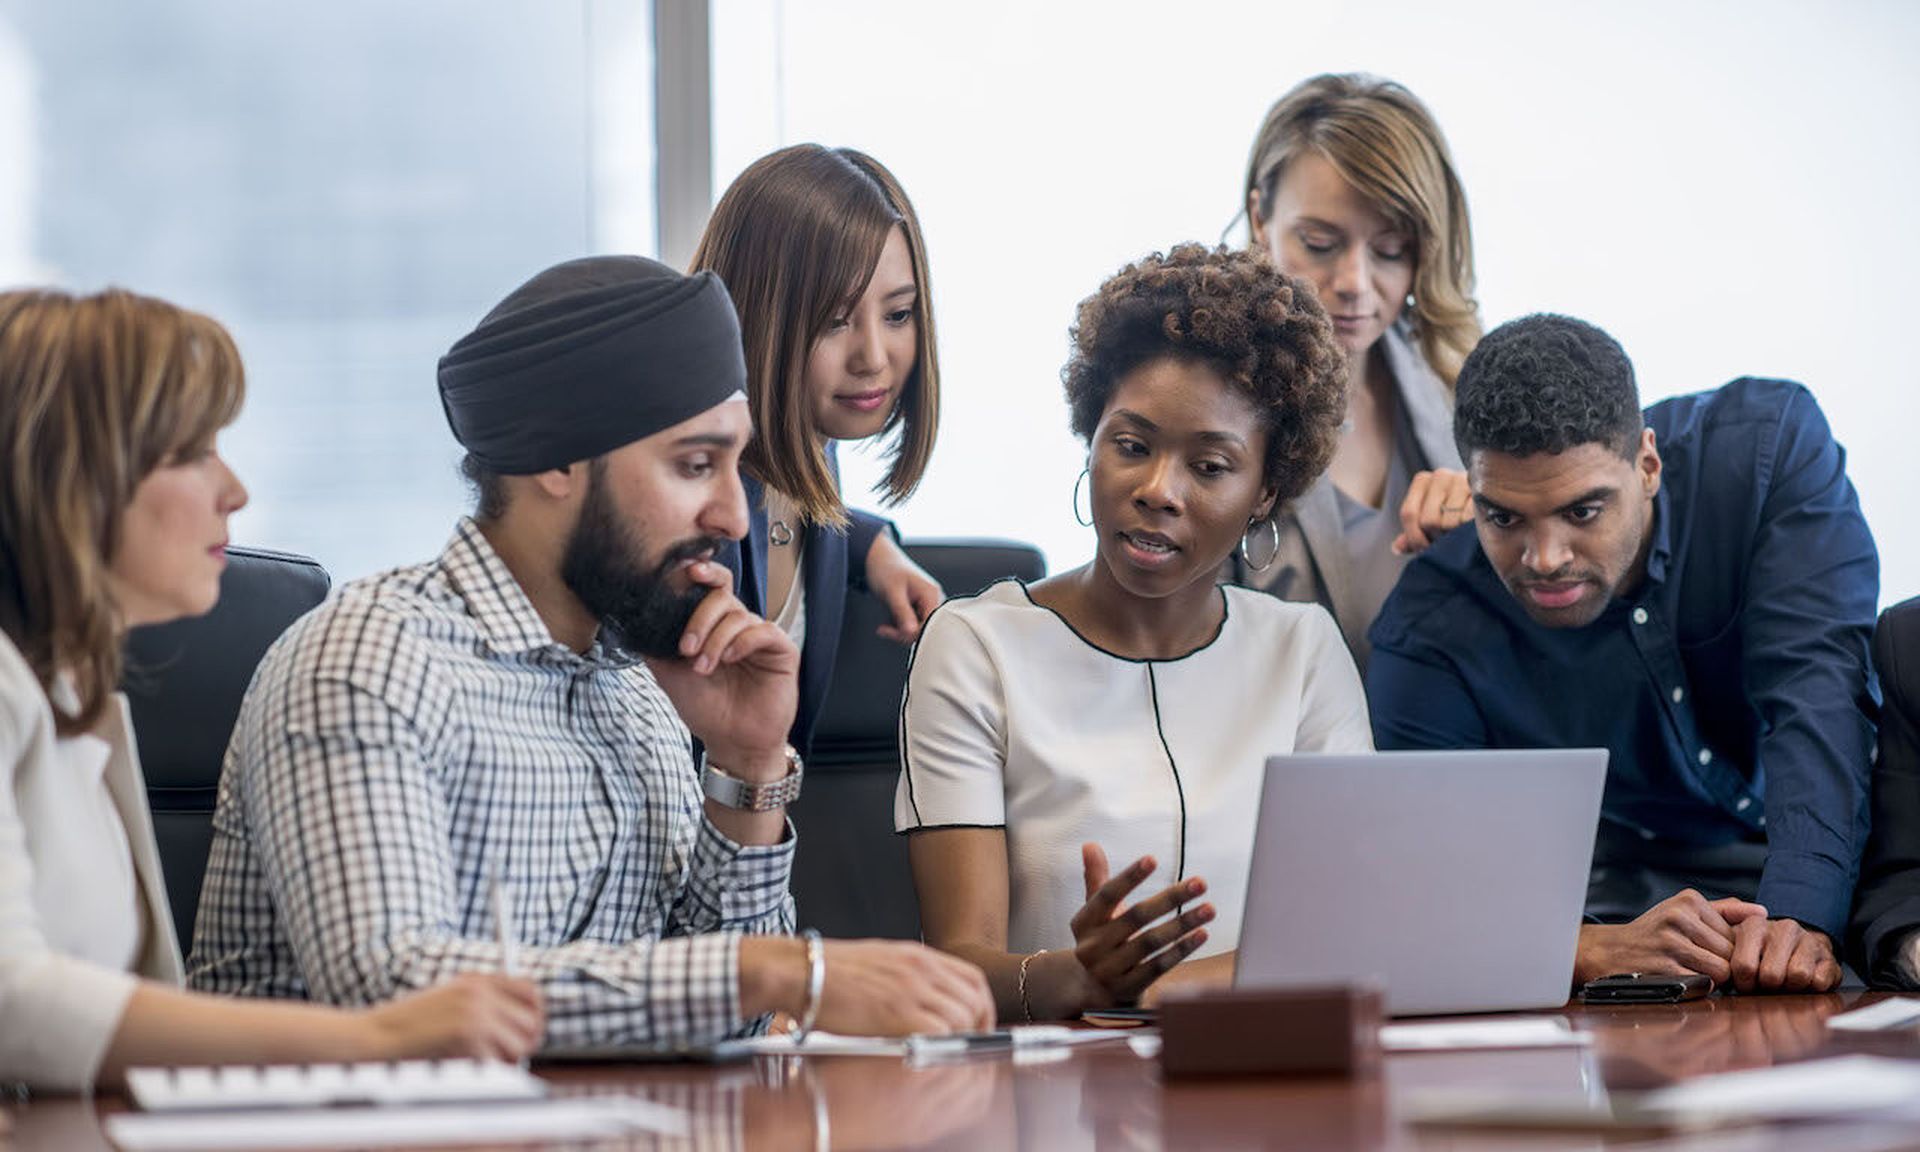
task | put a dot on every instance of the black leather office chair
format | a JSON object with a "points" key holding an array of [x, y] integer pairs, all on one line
{"points": [[850, 875], [184, 682]]}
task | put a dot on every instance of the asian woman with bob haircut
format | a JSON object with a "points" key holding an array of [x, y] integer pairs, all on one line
{"points": [[822, 253], [1124, 710], [113, 514], [1350, 186]]}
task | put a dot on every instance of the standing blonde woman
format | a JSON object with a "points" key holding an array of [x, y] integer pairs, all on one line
{"points": [[113, 514], [1350, 187]]}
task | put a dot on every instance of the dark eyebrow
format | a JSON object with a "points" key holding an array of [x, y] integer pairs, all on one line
{"points": [[1134, 418], [1600, 495], [706, 440]]}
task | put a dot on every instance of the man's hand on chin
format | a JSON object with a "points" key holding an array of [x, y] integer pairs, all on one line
{"points": [[1686, 932], [736, 680]]}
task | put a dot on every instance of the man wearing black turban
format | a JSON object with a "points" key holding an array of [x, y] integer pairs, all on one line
{"points": [[484, 762]]}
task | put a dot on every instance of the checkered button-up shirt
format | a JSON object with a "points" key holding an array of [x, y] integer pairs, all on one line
{"points": [[422, 730]]}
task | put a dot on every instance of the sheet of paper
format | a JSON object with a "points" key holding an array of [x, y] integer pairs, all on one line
{"points": [[1028, 1039], [1504, 1032], [1885, 1015], [598, 1118], [1843, 1085]]}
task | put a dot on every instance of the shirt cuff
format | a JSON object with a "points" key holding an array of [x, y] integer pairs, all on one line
{"points": [[1808, 888], [1906, 960], [741, 884]]}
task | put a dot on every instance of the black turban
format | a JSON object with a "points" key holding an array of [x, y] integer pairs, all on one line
{"points": [[589, 356]]}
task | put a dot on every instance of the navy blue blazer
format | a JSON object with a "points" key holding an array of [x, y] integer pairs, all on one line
{"points": [[834, 563]]}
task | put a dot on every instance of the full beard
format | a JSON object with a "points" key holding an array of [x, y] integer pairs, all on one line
{"points": [[638, 606]]}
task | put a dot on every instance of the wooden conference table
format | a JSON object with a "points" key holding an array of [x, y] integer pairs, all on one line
{"points": [[1105, 1097]]}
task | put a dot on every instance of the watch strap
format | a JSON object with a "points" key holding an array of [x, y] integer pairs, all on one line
{"points": [[733, 792]]}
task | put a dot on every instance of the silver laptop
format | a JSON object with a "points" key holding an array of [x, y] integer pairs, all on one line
{"points": [[1454, 880]]}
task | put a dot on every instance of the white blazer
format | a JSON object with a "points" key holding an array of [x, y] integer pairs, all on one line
{"points": [[60, 859]]}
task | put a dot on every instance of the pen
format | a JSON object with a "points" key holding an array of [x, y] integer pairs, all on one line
{"points": [[502, 897], [1002, 1040]]}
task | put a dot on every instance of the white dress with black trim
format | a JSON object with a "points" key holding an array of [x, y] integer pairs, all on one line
{"points": [[1012, 720]]}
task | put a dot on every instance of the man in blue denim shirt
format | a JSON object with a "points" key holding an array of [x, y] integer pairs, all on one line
{"points": [[1692, 589]]}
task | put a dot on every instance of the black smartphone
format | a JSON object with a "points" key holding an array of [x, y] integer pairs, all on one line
{"points": [[1645, 988]]}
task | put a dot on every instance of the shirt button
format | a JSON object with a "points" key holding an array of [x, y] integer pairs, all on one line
{"points": [[1762, 821], [1679, 694], [1639, 615], [1744, 803], [1706, 757], [1646, 833]]}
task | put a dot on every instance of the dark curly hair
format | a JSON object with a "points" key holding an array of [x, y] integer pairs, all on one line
{"points": [[1260, 329], [1546, 383]]}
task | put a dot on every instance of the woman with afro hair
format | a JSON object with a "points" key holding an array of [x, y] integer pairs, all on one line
{"points": [[1123, 710]]}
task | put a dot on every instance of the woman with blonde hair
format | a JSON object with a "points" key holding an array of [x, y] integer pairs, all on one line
{"points": [[1350, 186], [822, 254], [113, 514]]}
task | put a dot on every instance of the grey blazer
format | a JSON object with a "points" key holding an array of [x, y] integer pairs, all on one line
{"points": [[1312, 563]]}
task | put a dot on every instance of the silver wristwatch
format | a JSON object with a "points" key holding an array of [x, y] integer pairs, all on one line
{"points": [[737, 793]]}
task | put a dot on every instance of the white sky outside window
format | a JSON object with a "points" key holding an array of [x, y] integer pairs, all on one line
{"points": [[1725, 187]]}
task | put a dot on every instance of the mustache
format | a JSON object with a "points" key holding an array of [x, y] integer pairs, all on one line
{"points": [[692, 548]]}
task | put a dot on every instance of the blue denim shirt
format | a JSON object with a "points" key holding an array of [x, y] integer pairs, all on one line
{"points": [[1732, 687]]}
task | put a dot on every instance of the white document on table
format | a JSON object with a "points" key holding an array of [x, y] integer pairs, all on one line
{"points": [[1882, 1016], [595, 1118], [1500, 1032], [1840, 1086]]}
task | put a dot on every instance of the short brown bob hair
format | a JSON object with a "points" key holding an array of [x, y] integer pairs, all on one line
{"points": [[95, 393], [796, 238], [1263, 331]]}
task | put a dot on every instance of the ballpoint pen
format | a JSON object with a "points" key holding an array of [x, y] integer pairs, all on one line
{"points": [[503, 925], [1028, 1036]]}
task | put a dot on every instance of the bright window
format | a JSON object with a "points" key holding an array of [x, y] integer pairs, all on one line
{"points": [[1727, 187], [348, 186]]}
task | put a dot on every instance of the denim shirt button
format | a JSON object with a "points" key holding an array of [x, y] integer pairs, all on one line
{"points": [[1706, 757], [1639, 615]]}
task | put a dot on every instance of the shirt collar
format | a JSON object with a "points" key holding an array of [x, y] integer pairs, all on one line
{"points": [[1661, 553], [509, 623]]}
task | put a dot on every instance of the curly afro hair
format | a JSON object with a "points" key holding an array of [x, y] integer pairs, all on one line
{"points": [[1546, 383], [1260, 329]]}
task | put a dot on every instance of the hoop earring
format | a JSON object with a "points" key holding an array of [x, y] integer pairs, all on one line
{"points": [[1087, 520], [1273, 553]]}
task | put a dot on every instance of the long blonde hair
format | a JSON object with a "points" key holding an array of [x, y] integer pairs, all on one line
{"points": [[95, 393], [1382, 139], [795, 238]]}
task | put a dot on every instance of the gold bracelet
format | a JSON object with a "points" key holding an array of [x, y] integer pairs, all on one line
{"points": [[1026, 1005]]}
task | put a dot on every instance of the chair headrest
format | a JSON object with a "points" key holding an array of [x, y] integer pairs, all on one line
{"points": [[185, 680], [860, 718]]}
